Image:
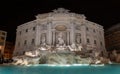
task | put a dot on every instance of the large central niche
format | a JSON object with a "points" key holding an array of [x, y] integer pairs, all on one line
{"points": [[60, 33]]}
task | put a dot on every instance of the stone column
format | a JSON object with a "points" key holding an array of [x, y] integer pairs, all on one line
{"points": [[37, 36], [49, 34], [68, 38], [72, 37], [103, 40], [98, 39], [92, 38], [53, 37], [83, 35]]}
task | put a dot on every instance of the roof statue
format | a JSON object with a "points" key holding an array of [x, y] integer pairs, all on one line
{"points": [[61, 10]]}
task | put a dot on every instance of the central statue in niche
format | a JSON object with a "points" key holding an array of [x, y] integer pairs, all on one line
{"points": [[60, 42], [60, 35], [60, 39]]}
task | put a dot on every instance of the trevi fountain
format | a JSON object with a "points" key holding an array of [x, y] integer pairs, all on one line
{"points": [[60, 37], [60, 42]]}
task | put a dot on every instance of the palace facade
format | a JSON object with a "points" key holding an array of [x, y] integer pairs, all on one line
{"points": [[112, 37], [48, 28], [3, 35]]}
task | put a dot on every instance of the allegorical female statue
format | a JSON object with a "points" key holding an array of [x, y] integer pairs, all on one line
{"points": [[43, 39]]}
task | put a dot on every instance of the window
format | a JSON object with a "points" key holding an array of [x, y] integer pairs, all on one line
{"points": [[25, 42], [20, 32], [3, 33], [18, 43], [26, 30], [23, 52], [87, 29], [94, 30], [34, 28], [100, 32], [94, 41], [2, 38], [80, 40], [101, 43], [1, 43], [33, 41], [88, 41]]}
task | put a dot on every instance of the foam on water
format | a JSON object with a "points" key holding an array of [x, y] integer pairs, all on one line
{"points": [[60, 65]]}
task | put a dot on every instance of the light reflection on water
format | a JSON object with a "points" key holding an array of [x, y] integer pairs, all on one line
{"points": [[61, 69]]}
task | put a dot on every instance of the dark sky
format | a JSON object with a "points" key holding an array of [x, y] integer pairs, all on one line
{"points": [[14, 13]]}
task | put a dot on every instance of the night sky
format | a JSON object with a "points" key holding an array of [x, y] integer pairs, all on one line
{"points": [[14, 13]]}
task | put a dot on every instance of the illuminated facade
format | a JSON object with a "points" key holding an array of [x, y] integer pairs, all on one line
{"points": [[8, 51], [112, 38], [47, 28], [3, 35]]}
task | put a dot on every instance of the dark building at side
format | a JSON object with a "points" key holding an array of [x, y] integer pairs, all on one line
{"points": [[112, 38]]}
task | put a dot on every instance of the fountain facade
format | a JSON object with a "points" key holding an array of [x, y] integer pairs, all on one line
{"points": [[59, 37], [60, 29]]}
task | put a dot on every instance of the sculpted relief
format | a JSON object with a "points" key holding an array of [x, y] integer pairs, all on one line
{"points": [[43, 39], [78, 38]]}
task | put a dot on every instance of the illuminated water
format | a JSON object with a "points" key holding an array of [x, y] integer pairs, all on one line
{"points": [[61, 69]]}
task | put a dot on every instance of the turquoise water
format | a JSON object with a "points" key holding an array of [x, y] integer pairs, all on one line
{"points": [[46, 69]]}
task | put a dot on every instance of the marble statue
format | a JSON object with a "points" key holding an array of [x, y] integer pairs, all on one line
{"points": [[60, 40], [43, 40], [78, 41], [80, 47], [72, 47]]}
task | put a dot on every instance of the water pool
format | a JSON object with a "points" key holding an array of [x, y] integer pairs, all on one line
{"points": [[61, 69]]}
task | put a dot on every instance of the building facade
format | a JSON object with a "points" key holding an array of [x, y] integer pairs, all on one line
{"points": [[48, 28], [112, 38], [8, 51], [3, 35]]}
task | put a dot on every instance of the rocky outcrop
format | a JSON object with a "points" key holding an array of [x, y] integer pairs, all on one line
{"points": [[60, 57], [118, 58], [23, 60], [115, 57]]}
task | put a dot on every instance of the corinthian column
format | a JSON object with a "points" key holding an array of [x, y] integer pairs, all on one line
{"points": [[53, 37], [72, 36], [68, 38], [83, 34], [37, 35], [49, 33]]}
